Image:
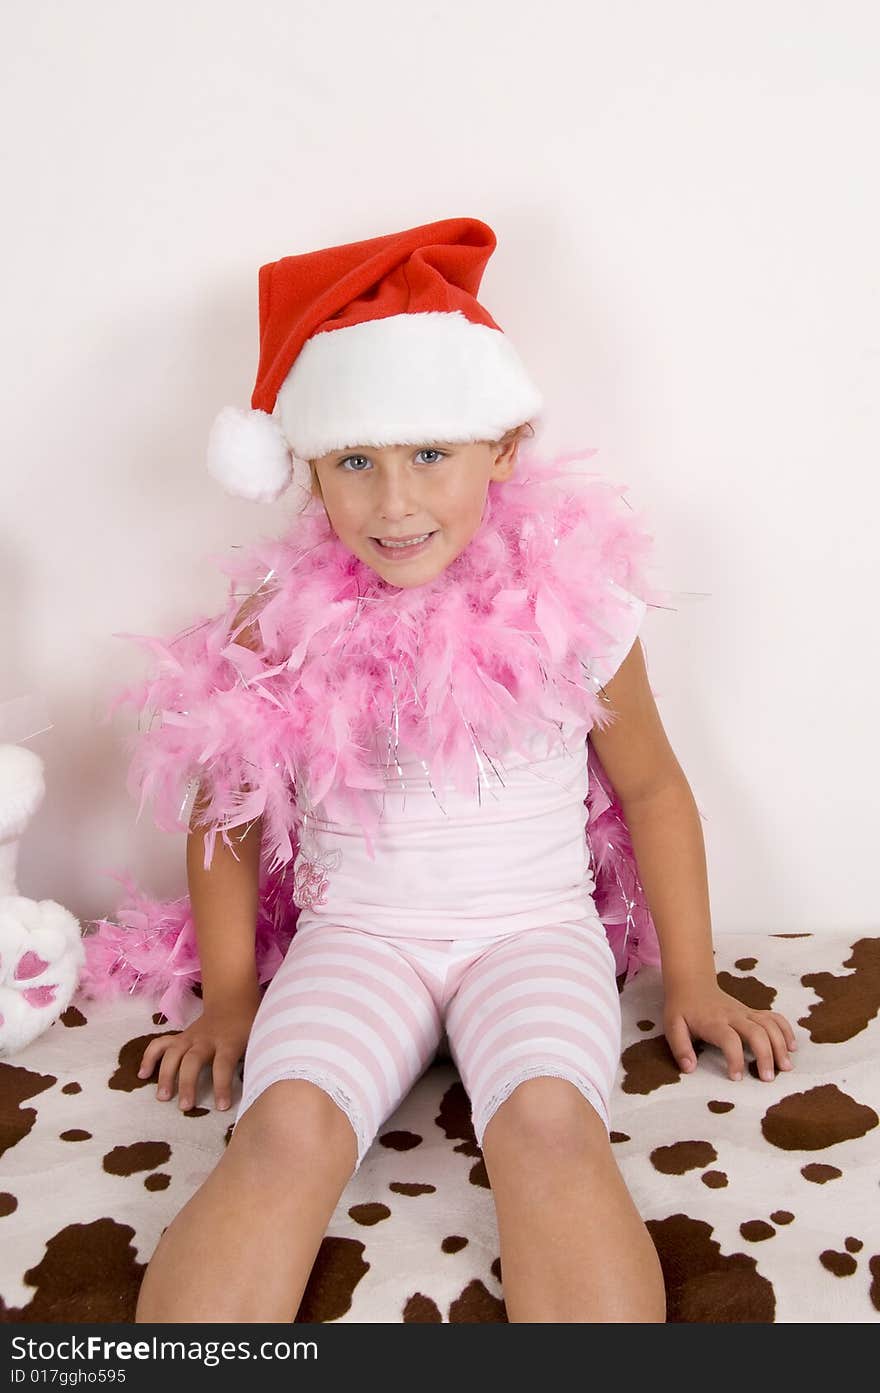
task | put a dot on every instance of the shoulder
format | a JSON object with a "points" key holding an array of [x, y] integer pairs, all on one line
{"points": [[633, 748], [625, 621]]}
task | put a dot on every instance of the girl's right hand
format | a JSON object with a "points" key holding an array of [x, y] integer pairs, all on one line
{"points": [[220, 1033]]}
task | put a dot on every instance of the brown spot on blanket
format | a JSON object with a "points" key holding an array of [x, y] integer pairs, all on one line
{"points": [[478, 1175], [17, 1085], [847, 1003], [369, 1214], [337, 1269], [650, 1064], [140, 1156], [106, 1283], [421, 1310], [752, 993], [455, 1121], [841, 1264], [757, 1230], [701, 1284], [820, 1174], [125, 1078], [454, 1243], [400, 1141], [819, 1117], [476, 1305], [682, 1156]]}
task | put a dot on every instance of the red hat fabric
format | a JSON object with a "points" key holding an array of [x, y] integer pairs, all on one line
{"points": [[373, 343], [435, 267]]}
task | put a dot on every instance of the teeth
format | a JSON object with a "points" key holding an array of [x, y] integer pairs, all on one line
{"points": [[414, 543]]}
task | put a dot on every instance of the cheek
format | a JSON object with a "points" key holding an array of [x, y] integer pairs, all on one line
{"points": [[344, 511], [467, 503]]}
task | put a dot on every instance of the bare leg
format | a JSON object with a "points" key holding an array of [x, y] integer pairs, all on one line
{"points": [[574, 1247], [242, 1247]]}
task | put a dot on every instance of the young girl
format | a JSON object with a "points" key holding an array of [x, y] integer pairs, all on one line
{"points": [[404, 702]]}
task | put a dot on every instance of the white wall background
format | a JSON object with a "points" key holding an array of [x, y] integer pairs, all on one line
{"points": [[687, 217]]}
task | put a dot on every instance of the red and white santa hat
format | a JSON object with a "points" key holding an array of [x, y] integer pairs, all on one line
{"points": [[373, 343]]}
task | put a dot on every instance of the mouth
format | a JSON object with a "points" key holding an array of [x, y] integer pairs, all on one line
{"points": [[400, 548]]}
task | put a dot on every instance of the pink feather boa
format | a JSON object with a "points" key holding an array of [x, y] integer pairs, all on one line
{"points": [[344, 671]]}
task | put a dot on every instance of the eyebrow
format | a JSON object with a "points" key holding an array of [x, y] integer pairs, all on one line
{"points": [[367, 449]]}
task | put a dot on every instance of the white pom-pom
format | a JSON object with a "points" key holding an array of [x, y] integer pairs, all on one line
{"points": [[248, 454]]}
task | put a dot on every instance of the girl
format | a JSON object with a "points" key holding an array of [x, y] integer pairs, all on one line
{"points": [[404, 701]]}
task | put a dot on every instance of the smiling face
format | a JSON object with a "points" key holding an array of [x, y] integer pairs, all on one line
{"points": [[401, 492]]}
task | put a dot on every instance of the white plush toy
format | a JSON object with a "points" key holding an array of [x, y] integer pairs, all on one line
{"points": [[41, 950]]}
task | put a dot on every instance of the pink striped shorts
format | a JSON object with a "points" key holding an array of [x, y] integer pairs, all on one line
{"points": [[362, 1015]]}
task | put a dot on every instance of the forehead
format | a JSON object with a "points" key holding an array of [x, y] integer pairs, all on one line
{"points": [[404, 449]]}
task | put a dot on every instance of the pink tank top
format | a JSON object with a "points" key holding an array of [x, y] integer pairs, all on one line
{"points": [[452, 864]]}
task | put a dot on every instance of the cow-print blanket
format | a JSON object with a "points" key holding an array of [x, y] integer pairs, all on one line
{"points": [[761, 1198]]}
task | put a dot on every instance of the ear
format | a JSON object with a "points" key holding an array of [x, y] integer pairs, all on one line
{"points": [[505, 459]]}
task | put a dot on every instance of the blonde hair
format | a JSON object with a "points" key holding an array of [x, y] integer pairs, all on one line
{"points": [[515, 433]]}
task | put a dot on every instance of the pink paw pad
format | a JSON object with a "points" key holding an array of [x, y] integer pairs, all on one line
{"points": [[30, 964], [40, 996]]}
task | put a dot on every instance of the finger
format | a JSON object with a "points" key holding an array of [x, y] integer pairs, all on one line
{"points": [[154, 1051], [190, 1069], [678, 1038], [758, 1041], [777, 1041], [168, 1069], [731, 1044], [224, 1067], [786, 1027]]}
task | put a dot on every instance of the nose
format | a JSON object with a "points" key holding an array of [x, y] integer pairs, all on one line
{"points": [[396, 494]]}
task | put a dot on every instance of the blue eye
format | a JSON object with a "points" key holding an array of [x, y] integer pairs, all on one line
{"points": [[426, 451]]}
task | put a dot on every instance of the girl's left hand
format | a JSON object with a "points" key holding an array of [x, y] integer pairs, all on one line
{"points": [[708, 1013]]}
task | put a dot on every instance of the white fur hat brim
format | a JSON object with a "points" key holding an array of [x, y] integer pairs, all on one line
{"points": [[405, 379]]}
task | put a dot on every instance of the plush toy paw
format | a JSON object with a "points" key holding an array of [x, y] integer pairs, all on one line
{"points": [[41, 953]]}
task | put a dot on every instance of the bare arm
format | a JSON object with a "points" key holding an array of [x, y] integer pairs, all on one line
{"points": [[663, 822], [667, 839], [225, 897], [225, 902]]}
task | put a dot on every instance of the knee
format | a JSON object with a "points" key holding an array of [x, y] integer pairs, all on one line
{"points": [[294, 1117], [548, 1113]]}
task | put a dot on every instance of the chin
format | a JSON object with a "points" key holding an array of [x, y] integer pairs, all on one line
{"points": [[416, 582], [412, 581]]}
